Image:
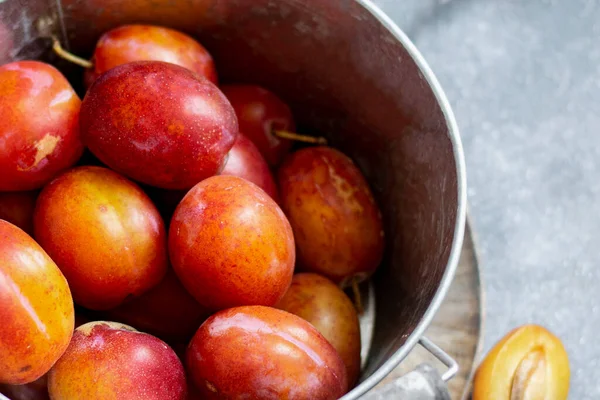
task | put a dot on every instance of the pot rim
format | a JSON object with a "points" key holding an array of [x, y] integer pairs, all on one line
{"points": [[459, 229]]}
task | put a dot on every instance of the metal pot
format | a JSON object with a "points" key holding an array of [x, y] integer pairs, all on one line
{"points": [[350, 74]]}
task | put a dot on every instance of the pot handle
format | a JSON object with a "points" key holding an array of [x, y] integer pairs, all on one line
{"points": [[424, 382]]}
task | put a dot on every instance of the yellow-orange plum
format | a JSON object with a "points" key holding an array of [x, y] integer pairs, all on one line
{"points": [[36, 308], [104, 233], [529, 363], [231, 245]]}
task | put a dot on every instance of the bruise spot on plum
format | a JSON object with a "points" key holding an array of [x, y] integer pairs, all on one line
{"points": [[25, 368], [343, 189], [87, 329], [211, 387], [42, 148]]}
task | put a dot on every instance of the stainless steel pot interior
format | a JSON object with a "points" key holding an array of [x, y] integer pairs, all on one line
{"points": [[350, 74]]}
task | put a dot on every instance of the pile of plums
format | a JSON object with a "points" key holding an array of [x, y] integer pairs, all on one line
{"points": [[147, 250]]}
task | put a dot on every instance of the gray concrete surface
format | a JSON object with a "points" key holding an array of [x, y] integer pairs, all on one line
{"points": [[524, 80]]}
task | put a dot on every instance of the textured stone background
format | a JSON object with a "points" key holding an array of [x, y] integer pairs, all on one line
{"points": [[524, 81]]}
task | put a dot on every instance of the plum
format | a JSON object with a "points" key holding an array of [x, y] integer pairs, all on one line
{"points": [[36, 308], [246, 162], [528, 363], [38, 389], [104, 233], [39, 134], [337, 224], [231, 245], [260, 112], [259, 352], [131, 43], [167, 311], [108, 360], [319, 301], [17, 208], [158, 123]]}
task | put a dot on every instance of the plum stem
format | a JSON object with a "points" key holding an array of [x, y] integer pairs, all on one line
{"points": [[65, 55], [357, 297], [300, 138]]}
